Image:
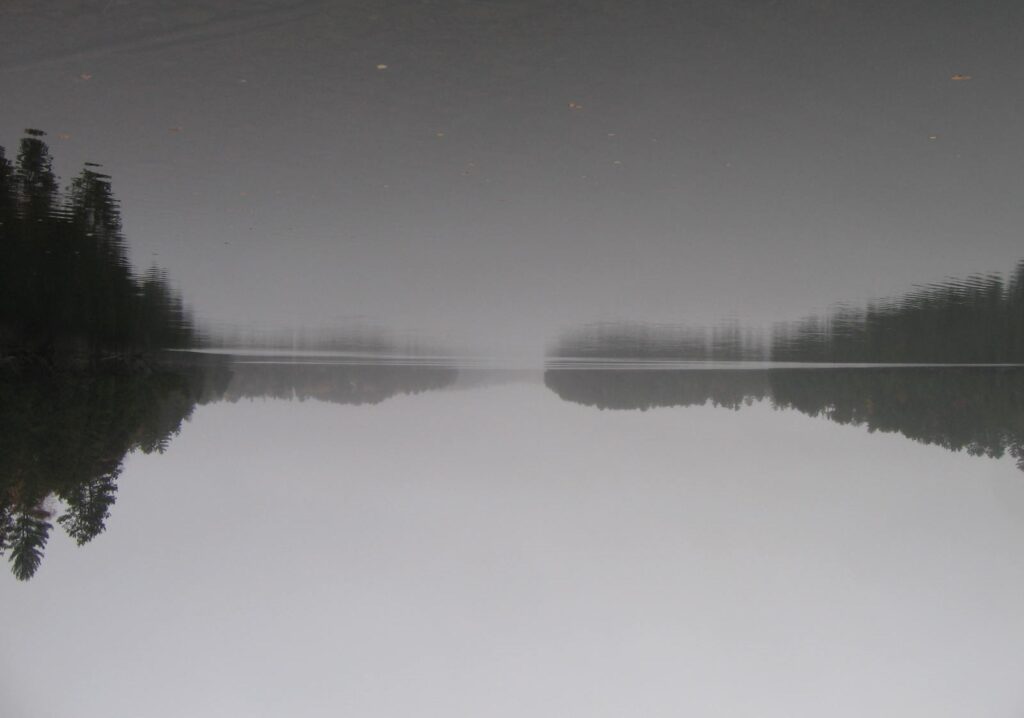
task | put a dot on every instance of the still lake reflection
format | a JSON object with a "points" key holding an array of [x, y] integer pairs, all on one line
{"points": [[320, 535], [620, 504]]}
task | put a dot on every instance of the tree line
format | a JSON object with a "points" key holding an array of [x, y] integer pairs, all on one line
{"points": [[64, 433], [975, 320], [66, 284], [63, 437], [979, 410]]}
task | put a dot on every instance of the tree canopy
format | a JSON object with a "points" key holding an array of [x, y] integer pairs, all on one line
{"points": [[66, 284]]}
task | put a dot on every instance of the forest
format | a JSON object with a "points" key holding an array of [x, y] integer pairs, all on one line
{"points": [[64, 434], [979, 410], [63, 438], [973, 320], [67, 288]]}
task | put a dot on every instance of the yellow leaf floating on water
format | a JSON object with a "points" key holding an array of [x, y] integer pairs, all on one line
{"points": [[960, 78]]}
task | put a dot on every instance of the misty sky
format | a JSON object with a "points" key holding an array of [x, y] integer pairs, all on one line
{"points": [[488, 173], [496, 171], [500, 552]]}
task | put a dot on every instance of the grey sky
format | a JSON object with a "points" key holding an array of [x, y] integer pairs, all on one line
{"points": [[521, 167], [410, 558], [489, 173]]}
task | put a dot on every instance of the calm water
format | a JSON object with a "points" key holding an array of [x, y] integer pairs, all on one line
{"points": [[511, 358]]}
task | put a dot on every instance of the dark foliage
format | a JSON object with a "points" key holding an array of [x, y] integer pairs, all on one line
{"points": [[975, 409], [63, 437], [979, 319], [979, 410], [66, 285], [64, 433], [976, 320]]}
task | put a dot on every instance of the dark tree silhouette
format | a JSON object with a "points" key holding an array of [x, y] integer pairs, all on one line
{"points": [[979, 409], [29, 533], [64, 433], [66, 285], [979, 319], [88, 506], [68, 293]]}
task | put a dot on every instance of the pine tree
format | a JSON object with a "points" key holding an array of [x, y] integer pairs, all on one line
{"points": [[30, 533]]}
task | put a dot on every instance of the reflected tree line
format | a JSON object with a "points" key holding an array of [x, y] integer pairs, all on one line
{"points": [[67, 290], [64, 436], [72, 312], [979, 319], [66, 285], [637, 340], [82, 381]]}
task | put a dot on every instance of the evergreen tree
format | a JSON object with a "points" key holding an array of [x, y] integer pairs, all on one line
{"points": [[66, 284], [28, 538], [37, 185], [975, 320], [88, 506]]}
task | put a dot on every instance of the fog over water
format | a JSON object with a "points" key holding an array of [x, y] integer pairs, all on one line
{"points": [[495, 172], [511, 357]]}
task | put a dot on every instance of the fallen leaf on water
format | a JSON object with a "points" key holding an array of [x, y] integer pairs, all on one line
{"points": [[85, 76], [63, 136], [382, 67], [174, 130], [958, 77], [575, 106]]}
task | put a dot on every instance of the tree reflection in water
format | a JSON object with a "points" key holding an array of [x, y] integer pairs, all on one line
{"points": [[976, 321], [84, 380]]}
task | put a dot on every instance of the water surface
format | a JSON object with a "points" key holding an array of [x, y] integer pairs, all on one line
{"points": [[511, 358]]}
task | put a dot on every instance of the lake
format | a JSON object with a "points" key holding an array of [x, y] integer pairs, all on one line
{"points": [[511, 358]]}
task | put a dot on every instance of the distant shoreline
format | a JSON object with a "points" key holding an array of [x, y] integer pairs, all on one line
{"points": [[24, 361]]}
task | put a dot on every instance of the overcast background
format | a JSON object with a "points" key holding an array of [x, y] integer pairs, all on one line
{"points": [[489, 173], [500, 552]]}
